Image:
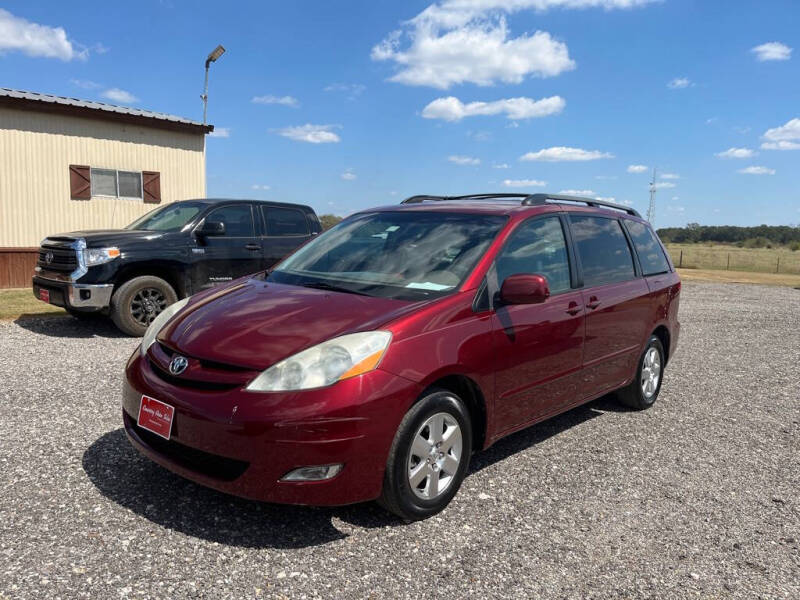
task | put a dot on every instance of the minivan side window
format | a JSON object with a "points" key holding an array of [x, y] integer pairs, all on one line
{"points": [[284, 221], [651, 256], [537, 247], [603, 250], [238, 219]]}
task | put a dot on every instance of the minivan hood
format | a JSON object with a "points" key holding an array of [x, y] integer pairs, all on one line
{"points": [[255, 324], [97, 238]]}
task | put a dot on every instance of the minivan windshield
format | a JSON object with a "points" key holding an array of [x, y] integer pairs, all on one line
{"points": [[172, 217], [410, 255]]}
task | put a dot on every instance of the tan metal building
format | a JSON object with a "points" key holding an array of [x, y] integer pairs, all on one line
{"points": [[68, 164]]}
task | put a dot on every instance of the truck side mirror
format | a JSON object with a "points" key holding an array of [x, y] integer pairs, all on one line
{"points": [[523, 288], [210, 229]]}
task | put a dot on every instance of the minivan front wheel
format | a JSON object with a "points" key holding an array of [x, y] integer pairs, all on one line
{"points": [[643, 391], [429, 457], [138, 301]]}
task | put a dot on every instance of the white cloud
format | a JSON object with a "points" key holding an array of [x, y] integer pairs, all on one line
{"points": [[785, 137], [464, 160], [637, 168], [313, 134], [501, 166], [757, 171], [565, 154], [351, 90], [118, 95], [679, 83], [259, 187], [674, 198], [772, 51], [282, 100], [86, 84], [348, 175], [457, 13], [782, 145], [452, 109], [607, 199], [524, 183], [736, 153], [482, 53], [220, 132], [670, 176], [577, 192], [677, 209], [606, 177], [660, 185], [20, 35]]}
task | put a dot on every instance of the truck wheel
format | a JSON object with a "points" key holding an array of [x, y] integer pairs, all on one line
{"points": [[138, 301]]}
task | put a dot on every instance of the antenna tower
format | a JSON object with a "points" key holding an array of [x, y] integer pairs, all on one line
{"points": [[651, 211]]}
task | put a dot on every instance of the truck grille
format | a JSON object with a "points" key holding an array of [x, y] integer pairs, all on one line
{"points": [[57, 257]]}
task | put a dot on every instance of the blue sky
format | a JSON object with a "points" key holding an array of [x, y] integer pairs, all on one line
{"points": [[346, 105]]}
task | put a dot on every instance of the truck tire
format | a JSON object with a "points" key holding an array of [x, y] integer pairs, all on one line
{"points": [[137, 302]]}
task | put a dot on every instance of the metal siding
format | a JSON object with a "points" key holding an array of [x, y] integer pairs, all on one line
{"points": [[36, 150]]}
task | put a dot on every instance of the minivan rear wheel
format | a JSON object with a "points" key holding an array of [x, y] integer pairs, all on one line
{"points": [[138, 301], [429, 457], [643, 391]]}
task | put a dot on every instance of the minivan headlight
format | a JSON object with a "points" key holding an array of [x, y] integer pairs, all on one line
{"points": [[326, 363], [159, 322], [99, 256]]}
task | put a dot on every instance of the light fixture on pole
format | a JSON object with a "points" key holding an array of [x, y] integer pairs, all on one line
{"points": [[215, 54]]}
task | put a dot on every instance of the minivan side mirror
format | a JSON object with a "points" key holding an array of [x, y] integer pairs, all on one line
{"points": [[524, 288], [210, 229]]}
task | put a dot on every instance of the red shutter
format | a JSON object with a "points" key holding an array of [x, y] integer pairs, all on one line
{"points": [[80, 182], [151, 185]]}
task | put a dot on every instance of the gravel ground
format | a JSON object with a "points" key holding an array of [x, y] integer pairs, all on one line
{"points": [[695, 497]]}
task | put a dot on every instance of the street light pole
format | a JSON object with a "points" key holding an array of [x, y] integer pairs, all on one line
{"points": [[215, 54]]}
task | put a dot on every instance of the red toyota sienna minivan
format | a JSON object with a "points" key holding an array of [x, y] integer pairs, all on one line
{"points": [[373, 361]]}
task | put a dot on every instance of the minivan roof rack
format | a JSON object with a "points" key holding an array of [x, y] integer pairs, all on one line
{"points": [[527, 200]]}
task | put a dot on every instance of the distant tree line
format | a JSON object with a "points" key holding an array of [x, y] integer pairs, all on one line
{"points": [[761, 236], [328, 221]]}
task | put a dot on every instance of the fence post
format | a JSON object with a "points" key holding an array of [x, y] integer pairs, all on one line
{"points": [[729, 261], [680, 261]]}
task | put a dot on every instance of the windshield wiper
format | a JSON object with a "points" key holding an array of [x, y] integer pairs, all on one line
{"points": [[322, 285]]}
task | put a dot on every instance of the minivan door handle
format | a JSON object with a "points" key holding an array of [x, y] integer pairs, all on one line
{"points": [[593, 303], [573, 308], [253, 246]]}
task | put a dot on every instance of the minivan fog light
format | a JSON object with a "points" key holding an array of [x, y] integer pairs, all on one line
{"points": [[318, 473]]}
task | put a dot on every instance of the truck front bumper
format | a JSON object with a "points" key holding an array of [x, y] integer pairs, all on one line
{"points": [[89, 297]]}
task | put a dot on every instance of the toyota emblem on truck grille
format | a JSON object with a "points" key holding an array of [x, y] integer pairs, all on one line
{"points": [[178, 365], [48, 258]]}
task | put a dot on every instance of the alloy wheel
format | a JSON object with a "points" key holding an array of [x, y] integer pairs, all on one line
{"points": [[435, 456]]}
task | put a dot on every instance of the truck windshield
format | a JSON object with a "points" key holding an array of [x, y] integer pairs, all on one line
{"points": [[411, 255], [172, 217]]}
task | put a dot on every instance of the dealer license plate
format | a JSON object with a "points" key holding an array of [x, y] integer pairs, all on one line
{"points": [[156, 416]]}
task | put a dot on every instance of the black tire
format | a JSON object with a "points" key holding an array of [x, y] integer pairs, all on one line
{"points": [[398, 496], [633, 394], [137, 302]]}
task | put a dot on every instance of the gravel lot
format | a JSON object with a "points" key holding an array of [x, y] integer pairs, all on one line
{"points": [[696, 497]]}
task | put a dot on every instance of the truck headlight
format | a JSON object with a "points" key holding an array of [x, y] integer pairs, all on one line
{"points": [[326, 363], [99, 256], [159, 322]]}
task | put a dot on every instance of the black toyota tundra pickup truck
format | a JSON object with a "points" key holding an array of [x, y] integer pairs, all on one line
{"points": [[132, 274]]}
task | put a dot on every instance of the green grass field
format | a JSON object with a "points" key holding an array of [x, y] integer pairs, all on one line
{"points": [[730, 258]]}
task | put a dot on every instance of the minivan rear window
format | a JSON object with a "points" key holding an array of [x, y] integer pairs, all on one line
{"points": [[651, 255], [603, 250]]}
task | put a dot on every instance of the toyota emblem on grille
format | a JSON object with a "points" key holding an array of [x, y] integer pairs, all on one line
{"points": [[48, 258], [178, 365]]}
